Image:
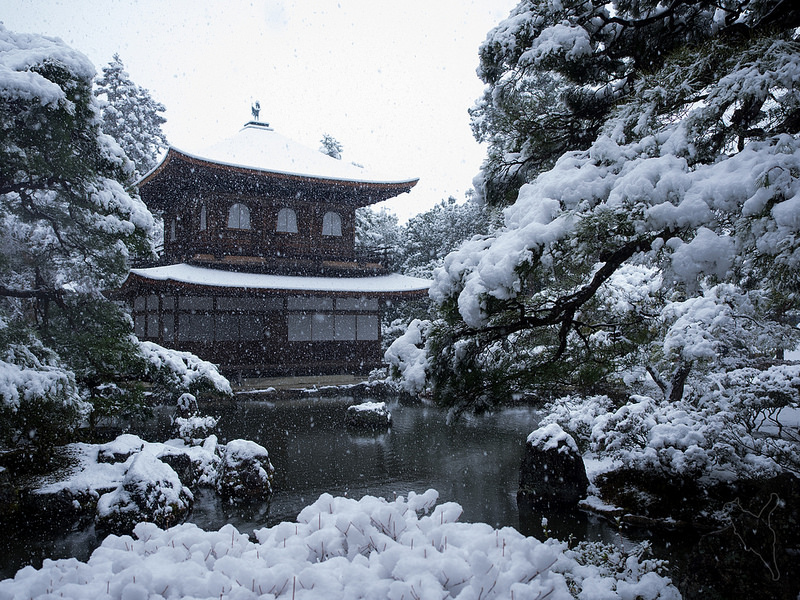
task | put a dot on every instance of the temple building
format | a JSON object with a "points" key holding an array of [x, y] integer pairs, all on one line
{"points": [[260, 273]]}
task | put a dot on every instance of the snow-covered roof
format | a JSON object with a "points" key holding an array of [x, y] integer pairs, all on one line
{"points": [[258, 147], [393, 283]]}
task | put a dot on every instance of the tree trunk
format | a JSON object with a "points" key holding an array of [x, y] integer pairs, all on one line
{"points": [[678, 382]]}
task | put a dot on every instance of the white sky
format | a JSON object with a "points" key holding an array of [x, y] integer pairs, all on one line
{"points": [[392, 81]]}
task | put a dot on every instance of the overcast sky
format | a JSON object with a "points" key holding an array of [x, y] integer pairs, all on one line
{"points": [[392, 81]]}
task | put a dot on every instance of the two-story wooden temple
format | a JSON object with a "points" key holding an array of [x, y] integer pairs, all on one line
{"points": [[260, 271]]}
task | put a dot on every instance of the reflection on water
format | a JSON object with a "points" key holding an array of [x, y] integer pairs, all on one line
{"points": [[474, 462]]}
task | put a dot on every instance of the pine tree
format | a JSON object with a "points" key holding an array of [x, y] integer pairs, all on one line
{"points": [[651, 159], [429, 236], [378, 232], [68, 228], [131, 116]]}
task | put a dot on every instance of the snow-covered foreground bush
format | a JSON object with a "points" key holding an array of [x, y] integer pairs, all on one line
{"points": [[343, 548]]}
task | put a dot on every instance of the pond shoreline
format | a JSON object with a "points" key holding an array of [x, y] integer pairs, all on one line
{"points": [[293, 388], [389, 463]]}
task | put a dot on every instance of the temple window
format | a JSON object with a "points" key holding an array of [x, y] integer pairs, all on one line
{"points": [[173, 230], [203, 217], [287, 221], [239, 217], [332, 224]]}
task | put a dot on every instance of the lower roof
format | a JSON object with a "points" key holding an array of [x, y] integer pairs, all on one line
{"points": [[392, 284]]}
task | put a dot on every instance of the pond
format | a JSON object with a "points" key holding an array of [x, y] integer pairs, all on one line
{"points": [[474, 462]]}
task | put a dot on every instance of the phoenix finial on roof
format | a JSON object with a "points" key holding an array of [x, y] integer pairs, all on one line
{"points": [[255, 109]]}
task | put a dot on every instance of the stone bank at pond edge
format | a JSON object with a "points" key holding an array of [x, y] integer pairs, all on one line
{"points": [[129, 480]]}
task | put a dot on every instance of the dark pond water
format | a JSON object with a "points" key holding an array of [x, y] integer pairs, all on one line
{"points": [[473, 462]]}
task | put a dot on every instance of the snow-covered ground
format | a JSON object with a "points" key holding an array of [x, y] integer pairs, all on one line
{"points": [[343, 548]]}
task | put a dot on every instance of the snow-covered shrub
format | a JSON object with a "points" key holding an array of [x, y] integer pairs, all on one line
{"points": [[40, 403], [577, 416], [368, 549], [620, 573], [193, 430], [188, 424], [187, 404], [762, 410], [711, 439]]}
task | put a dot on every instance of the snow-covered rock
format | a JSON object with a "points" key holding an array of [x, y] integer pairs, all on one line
{"points": [[245, 471], [552, 473], [151, 491], [120, 449], [138, 480], [372, 415], [181, 462]]}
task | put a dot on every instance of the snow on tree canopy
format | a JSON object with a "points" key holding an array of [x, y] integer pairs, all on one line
{"points": [[647, 163], [659, 193], [22, 54], [131, 116], [69, 229], [18, 383], [64, 204]]}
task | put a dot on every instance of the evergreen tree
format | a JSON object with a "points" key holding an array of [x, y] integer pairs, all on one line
{"points": [[330, 146], [428, 237], [131, 116], [379, 232], [556, 73], [68, 229], [659, 251]]}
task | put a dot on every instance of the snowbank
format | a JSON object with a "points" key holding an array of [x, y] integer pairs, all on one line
{"points": [[338, 548]]}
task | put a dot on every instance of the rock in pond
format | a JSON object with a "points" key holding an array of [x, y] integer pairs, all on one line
{"points": [[245, 472], [370, 415], [552, 473], [151, 491]]}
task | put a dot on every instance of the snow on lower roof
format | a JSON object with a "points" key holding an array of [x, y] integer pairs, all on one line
{"points": [[258, 146], [393, 283]]}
